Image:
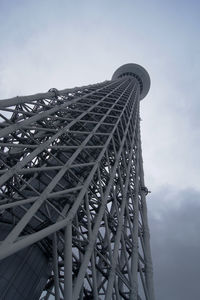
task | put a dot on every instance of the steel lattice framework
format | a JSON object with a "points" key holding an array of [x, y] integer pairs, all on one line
{"points": [[72, 192]]}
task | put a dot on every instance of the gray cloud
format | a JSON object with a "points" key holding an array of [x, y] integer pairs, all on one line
{"points": [[174, 222]]}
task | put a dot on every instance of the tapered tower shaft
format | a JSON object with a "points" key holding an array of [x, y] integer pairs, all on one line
{"points": [[72, 193]]}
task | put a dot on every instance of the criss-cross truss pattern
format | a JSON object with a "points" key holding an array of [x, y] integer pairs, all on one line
{"points": [[72, 185]]}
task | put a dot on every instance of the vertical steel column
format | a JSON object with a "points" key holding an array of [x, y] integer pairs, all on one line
{"points": [[68, 284], [55, 267], [146, 234], [134, 256]]}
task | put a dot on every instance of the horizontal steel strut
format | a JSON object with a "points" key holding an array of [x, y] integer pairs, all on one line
{"points": [[72, 187]]}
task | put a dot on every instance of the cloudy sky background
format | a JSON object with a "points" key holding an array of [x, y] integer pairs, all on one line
{"points": [[49, 43]]}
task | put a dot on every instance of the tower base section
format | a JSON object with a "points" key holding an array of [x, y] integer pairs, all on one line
{"points": [[24, 274]]}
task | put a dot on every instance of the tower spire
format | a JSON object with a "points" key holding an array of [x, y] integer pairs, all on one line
{"points": [[72, 194]]}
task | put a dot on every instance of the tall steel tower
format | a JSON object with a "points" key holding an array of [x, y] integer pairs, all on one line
{"points": [[73, 216]]}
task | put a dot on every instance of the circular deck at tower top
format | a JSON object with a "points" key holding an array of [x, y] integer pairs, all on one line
{"points": [[138, 72]]}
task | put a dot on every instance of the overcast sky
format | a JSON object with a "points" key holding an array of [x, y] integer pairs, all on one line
{"points": [[46, 43]]}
